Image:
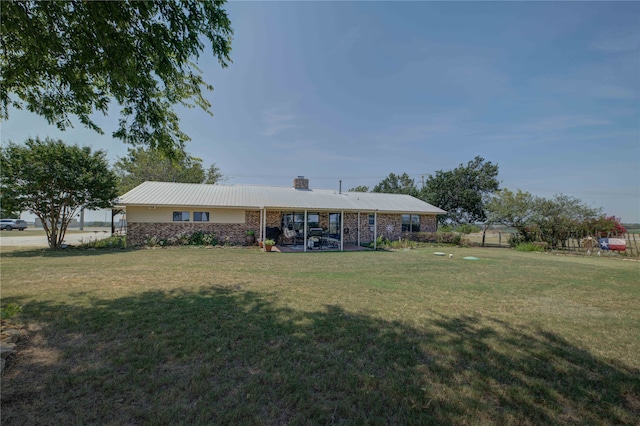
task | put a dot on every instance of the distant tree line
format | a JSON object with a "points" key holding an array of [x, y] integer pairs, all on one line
{"points": [[54, 181], [462, 192], [471, 195]]}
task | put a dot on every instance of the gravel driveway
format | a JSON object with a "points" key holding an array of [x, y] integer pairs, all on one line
{"points": [[26, 240]]}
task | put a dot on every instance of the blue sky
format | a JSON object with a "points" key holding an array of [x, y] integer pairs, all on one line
{"points": [[550, 91]]}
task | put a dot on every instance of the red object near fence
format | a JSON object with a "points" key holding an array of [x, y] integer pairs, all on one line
{"points": [[614, 244]]}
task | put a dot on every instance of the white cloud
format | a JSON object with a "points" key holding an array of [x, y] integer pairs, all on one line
{"points": [[276, 120]]}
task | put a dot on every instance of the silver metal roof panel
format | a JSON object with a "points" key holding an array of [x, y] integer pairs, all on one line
{"points": [[256, 197]]}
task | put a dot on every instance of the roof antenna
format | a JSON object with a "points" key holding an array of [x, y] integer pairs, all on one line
{"points": [[340, 189]]}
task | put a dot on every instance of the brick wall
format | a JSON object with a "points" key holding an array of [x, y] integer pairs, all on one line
{"points": [[428, 223], [389, 225], [234, 233]]}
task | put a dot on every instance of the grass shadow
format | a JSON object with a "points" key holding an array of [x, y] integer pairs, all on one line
{"points": [[228, 356]]}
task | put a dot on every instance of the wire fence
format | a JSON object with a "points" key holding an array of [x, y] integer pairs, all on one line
{"points": [[575, 243]]}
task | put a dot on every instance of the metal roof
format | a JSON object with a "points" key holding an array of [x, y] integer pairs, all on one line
{"points": [[270, 197]]}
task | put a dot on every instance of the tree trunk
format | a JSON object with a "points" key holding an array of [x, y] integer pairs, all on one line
{"points": [[484, 232]]}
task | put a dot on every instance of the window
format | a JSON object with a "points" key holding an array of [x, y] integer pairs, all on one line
{"points": [[372, 219], [296, 221], [415, 223], [410, 223], [334, 223], [313, 220], [181, 216], [201, 216]]}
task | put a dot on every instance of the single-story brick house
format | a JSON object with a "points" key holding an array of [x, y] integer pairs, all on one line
{"points": [[165, 209]]}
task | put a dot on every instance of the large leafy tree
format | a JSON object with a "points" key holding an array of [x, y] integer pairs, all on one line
{"points": [[553, 220], [462, 191], [556, 218], [513, 209], [149, 165], [7, 213], [397, 184], [54, 181], [61, 59]]}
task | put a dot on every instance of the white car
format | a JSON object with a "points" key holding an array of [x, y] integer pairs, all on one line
{"points": [[11, 224]]}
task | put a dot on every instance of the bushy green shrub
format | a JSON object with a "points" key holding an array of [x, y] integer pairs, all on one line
{"points": [[209, 239], [434, 237], [183, 238], [380, 243], [528, 247], [515, 239], [198, 238], [400, 244], [115, 241], [151, 241], [467, 228]]}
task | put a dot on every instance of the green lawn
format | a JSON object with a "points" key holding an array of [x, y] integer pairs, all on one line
{"points": [[237, 336]]}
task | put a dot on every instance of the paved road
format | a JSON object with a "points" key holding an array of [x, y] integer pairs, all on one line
{"points": [[26, 240]]}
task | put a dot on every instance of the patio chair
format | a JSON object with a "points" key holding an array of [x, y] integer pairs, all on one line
{"points": [[291, 235]]}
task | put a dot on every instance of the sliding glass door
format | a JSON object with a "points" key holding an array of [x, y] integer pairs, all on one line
{"points": [[335, 220]]}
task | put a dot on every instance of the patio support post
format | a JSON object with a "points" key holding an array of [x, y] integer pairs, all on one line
{"points": [[260, 236], [358, 229], [305, 230], [342, 230], [375, 230], [263, 228]]}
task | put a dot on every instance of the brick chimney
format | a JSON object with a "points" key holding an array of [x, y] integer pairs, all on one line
{"points": [[301, 183]]}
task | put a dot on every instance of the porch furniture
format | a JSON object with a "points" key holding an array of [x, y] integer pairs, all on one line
{"points": [[273, 233], [319, 234], [291, 236]]}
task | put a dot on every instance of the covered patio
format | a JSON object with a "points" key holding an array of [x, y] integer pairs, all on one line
{"points": [[300, 248], [318, 230]]}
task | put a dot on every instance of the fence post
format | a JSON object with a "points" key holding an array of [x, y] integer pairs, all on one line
{"points": [[635, 244]]}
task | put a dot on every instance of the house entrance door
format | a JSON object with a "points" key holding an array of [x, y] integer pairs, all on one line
{"points": [[335, 220]]}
